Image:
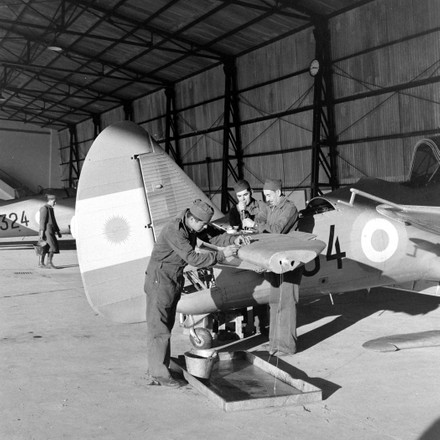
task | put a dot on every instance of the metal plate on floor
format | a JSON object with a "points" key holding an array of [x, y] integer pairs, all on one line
{"points": [[240, 380]]}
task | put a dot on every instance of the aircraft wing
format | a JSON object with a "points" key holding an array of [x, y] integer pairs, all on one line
{"points": [[422, 217], [276, 252]]}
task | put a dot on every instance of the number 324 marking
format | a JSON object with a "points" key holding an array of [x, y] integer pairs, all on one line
{"points": [[10, 222]]}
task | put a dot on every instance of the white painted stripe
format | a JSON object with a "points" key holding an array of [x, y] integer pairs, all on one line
{"points": [[112, 229]]}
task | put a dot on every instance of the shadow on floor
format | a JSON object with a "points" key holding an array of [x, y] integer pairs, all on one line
{"points": [[347, 309]]}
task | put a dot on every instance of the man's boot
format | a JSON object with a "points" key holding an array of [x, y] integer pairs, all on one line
{"points": [[50, 265], [41, 260]]}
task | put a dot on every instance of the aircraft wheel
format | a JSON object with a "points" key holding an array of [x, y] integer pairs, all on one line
{"points": [[202, 339]]}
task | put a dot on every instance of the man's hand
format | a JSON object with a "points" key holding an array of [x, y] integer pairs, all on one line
{"points": [[242, 240], [248, 223], [230, 250], [241, 206]]}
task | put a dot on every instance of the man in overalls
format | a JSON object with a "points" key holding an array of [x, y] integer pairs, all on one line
{"points": [[174, 249]]}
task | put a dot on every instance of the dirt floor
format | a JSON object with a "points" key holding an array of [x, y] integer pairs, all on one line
{"points": [[69, 374]]}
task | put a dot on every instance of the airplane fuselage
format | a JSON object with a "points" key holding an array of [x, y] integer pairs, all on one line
{"points": [[364, 250], [129, 188], [20, 218]]}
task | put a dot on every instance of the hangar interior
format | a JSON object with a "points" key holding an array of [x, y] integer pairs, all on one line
{"points": [[317, 93]]}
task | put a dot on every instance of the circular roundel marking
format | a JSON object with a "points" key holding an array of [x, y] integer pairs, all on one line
{"points": [[116, 229], [379, 240]]}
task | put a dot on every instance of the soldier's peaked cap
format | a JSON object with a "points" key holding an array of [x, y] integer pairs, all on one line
{"points": [[241, 185], [272, 185], [202, 210]]}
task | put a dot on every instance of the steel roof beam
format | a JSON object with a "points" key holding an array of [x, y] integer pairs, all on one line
{"points": [[37, 93], [73, 72], [43, 118], [24, 92], [90, 84], [58, 29], [278, 8], [89, 59], [74, 85], [169, 36]]}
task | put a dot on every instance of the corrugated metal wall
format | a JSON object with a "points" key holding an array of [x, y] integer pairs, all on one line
{"points": [[378, 46], [378, 51]]}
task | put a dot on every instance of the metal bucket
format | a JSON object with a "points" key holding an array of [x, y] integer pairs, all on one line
{"points": [[199, 363]]}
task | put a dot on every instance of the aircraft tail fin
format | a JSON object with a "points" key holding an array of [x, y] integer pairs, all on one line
{"points": [[128, 190], [169, 190]]}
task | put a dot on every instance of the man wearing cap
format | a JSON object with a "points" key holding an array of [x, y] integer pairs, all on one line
{"points": [[279, 216], [48, 229], [173, 250], [247, 206]]}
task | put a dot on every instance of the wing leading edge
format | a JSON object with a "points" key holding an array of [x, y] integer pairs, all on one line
{"points": [[278, 253], [426, 218]]}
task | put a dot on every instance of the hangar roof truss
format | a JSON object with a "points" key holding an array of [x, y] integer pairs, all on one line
{"points": [[65, 61]]}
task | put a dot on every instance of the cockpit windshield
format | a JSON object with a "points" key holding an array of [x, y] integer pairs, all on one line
{"points": [[316, 206], [425, 165]]}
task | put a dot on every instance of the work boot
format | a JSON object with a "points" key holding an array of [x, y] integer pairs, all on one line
{"points": [[49, 264], [170, 382]]}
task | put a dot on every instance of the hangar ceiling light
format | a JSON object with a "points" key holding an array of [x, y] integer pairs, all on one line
{"points": [[55, 48]]}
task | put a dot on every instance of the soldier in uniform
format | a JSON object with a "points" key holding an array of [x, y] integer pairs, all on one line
{"points": [[174, 249], [279, 216], [247, 206]]}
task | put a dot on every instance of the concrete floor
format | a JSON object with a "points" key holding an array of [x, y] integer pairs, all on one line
{"points": [[69, 374]]}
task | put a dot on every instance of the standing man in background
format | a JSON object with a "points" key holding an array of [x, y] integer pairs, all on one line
{"points": [[48, 231], [279, 216]]}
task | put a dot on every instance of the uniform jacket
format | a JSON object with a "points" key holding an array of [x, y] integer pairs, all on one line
{"points": [[278, 219], [250, 212], [175, 248]]}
